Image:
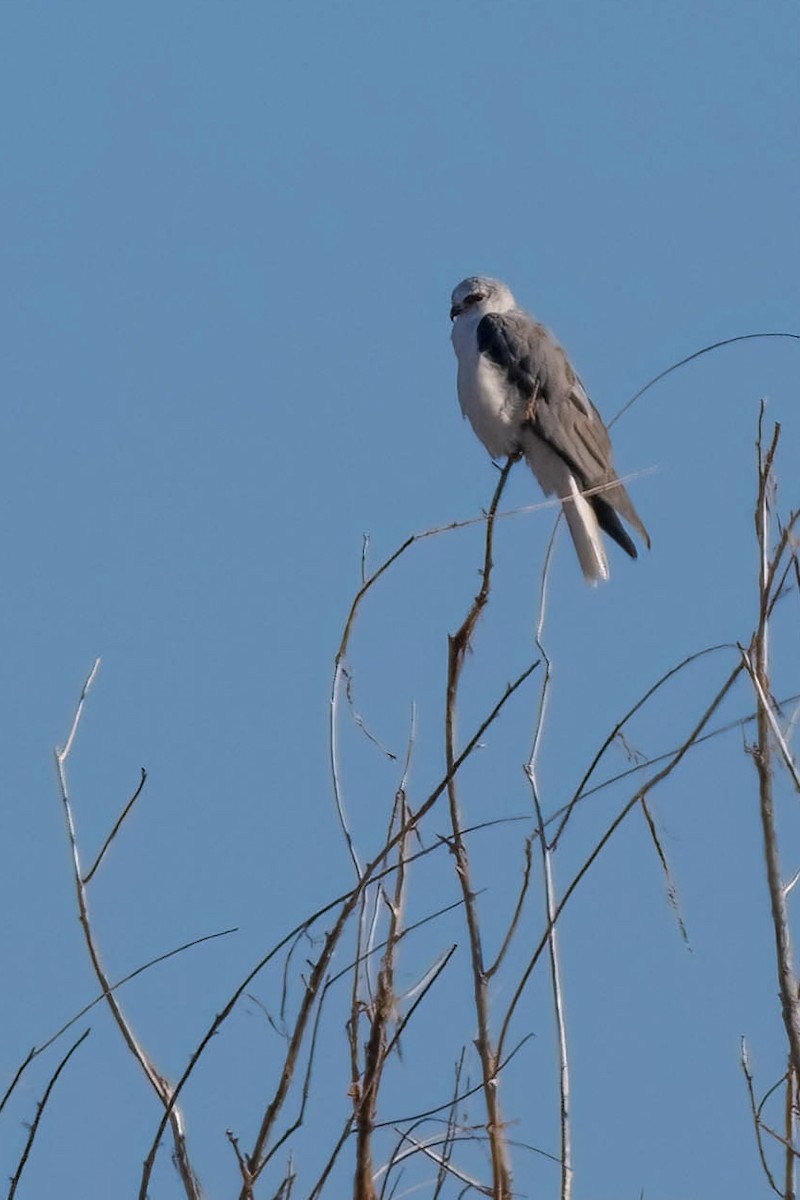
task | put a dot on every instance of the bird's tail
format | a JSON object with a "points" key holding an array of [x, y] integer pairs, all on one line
{"points": [[614, 497], [585, 530]]}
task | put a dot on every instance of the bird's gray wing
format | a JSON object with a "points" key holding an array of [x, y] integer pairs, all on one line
{"points": [[555, 403]]}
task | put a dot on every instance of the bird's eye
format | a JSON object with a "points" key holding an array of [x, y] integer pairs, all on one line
{"points": [[473, 298]]}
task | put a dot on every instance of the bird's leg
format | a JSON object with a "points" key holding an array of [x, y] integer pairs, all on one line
{"points": [[529, 416], [513, 457]]}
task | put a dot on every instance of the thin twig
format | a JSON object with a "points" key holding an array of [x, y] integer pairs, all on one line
{"points": [[329, 1165], [548, 882], [672, 890], [117, 826], [789, 1110], [306, 1089], [653, 760], [359, 721], [426, 1148], [63, 754], [637, 797], [513, 924], [159, 1084], [766, 705], [407, 929], [581, 792], [415, 1118], [450, 1130], [762, 755], [114, 987], [40, 1107], [381, 1013], [340, 672], [20, 1071], [744, 1059], [784, 541], [430, 980], [457, 646], [742, 337]]}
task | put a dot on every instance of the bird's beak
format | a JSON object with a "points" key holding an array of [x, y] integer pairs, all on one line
{"points": [[454, 311]]}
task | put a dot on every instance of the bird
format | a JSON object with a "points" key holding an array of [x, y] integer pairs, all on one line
{"points": [[523, 397]]}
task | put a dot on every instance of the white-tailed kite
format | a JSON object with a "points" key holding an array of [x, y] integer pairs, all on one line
{"points": [[521, 395]]}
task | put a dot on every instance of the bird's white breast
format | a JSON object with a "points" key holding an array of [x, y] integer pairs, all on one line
{"points": [[483, 391]]}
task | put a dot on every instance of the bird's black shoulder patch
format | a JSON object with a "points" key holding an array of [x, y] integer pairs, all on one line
{"points": [[502, 339], [493, 341]]}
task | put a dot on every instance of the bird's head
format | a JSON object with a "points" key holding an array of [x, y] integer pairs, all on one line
{"points": [[481, 295]]}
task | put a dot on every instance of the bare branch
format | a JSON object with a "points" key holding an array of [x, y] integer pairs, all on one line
{"points": [[117, 826], [63, 754], [745, 1064], [153, 962], [548, 881], [762, 755], [672, 891], [415, 1118], [582, 791], [159, 1084], [637, 797], [20, 1071], [444, 1163], [381, 1012], [512, 928], [766, 705], [742, 337], [458, 645], [40, 1107]]}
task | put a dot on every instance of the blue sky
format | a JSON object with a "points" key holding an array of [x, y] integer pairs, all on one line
{"points": [[230, 236]]}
